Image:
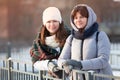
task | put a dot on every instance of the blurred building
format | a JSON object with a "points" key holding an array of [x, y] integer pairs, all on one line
{"points": [[21, 19]]}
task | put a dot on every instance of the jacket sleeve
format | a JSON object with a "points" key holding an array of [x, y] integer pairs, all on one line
{"points": [[35, 51], [102, 59], [66, 51]]}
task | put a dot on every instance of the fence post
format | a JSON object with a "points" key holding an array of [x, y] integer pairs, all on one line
{"points": [[9, 63], [90, 75], [9, 50], [9, 69], [63, 75], [40, 75]]}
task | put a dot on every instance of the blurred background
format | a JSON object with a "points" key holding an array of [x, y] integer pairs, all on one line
{"points": [[20, 20]]}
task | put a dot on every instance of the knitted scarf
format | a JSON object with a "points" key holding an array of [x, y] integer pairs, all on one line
{"points": [[87, 33]]}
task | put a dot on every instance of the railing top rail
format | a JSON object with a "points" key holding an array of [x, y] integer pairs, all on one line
{"points": [[106, 76]]}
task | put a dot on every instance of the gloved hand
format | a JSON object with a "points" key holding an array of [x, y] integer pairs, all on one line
{"points": [[73, 63], [57, 74], [52, 66], [67, 68], [54, 69]]}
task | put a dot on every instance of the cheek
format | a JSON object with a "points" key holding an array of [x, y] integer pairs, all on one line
{"points": [[86, 21], [74, 21], [57, 26], [47, 27]]}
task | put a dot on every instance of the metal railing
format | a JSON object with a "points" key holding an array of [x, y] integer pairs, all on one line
{"points": [[7, 72], [106, 77], [11, 68], [23, 53], [115, 60], [115, 56]]}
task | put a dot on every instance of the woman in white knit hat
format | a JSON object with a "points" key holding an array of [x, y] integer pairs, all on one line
{"points": [[49, 42]]}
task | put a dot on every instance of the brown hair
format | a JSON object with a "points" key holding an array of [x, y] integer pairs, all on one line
{"points": [[81, 9], [60, 37]]}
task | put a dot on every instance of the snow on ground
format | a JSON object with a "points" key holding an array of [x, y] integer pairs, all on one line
{"points": [[116, 73]]}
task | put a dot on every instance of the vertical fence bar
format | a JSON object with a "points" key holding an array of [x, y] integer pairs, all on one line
{"points": [[90, 75], [3, 63], [9, 60], [8, 53], [25, 66], [40, 75], [9, 69], [9, 50], [17, 66], [33, 69]]}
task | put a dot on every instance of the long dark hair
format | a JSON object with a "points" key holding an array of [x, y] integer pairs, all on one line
{"points": [[60, 37]]}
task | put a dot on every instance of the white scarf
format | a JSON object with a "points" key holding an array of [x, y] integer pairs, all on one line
{"points": [[50, 41]]}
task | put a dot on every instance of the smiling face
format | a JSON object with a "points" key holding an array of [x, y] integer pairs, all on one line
{"points": [[52, 26], [80, 21], [79, 17]]}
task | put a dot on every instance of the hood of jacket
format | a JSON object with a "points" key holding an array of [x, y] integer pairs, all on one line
{"points": [[91, 19]]}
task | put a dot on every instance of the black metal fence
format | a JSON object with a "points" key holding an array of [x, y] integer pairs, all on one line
{"points": [[15, 69], [8, 72]]}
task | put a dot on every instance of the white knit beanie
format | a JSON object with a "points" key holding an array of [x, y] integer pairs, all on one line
{"points": [[51, 13]]}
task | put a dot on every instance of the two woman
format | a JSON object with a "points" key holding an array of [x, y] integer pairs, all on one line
{"points": [[49, 42], [86, 48]]}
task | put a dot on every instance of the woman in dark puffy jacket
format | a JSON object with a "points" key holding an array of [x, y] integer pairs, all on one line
{"points": [[50, 41]]}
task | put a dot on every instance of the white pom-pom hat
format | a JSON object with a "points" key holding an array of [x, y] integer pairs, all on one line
{"points": [[51, 13]]}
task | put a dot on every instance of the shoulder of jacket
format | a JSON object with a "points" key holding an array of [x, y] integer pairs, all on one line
{"points": [[102, 33], [70, 38], [38, 35]]}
